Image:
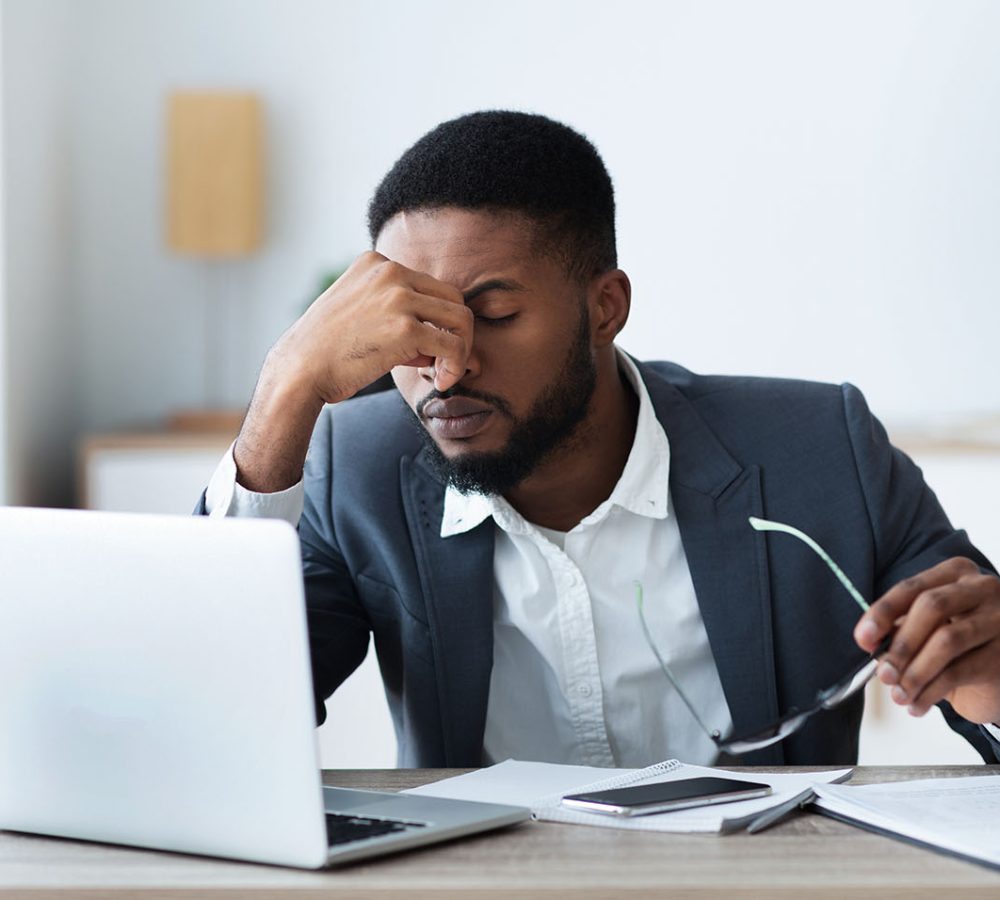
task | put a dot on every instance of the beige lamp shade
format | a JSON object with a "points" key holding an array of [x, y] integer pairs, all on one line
{"points": [[215, 164]]}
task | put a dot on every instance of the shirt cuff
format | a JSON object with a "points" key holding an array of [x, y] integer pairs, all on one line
{"points": [[227, 497]]}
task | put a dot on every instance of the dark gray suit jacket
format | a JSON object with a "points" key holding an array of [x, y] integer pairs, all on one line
{"points": [[778, 622]]}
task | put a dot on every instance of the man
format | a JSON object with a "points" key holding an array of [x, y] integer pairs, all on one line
{"points": [[493, 523]]}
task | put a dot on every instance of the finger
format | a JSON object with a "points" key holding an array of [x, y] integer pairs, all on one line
{"points": [[932, 610], [452, 318], [384, 274], [447, 350], [443, 314], [948, 643], [880, 619], [422, 283], [970, 669], [420, 321], [419, 362]]}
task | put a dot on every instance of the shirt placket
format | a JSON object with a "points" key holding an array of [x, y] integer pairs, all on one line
{"points": [[581, 668]]}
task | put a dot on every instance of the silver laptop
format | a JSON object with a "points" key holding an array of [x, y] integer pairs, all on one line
{"points": [[155, 690]]}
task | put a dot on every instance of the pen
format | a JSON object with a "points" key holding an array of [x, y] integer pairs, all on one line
{"points": [[777, 813]]}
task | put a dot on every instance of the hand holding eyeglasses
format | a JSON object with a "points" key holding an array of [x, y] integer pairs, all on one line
{"points": [[946, 644], [935, 636], [763, 736]]}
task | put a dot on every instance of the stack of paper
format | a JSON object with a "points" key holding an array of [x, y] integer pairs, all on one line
{"points": [[541, 787], [957, 815]]}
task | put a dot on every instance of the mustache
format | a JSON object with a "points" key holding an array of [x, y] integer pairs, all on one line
{"points": [[493, 400]]}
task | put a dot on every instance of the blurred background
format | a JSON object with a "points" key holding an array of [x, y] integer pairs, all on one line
{"points": [[804, 189]]}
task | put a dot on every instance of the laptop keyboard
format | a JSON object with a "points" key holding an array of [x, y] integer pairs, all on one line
{"points": [[341, 829]]}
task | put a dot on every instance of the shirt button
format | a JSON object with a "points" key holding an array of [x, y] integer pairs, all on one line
{"points": [[584, 690]]}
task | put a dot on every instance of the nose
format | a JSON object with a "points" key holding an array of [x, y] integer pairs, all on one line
{"points": [[472, 367]]}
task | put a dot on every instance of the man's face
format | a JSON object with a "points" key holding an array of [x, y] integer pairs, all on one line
{"points": [[531, 372]]}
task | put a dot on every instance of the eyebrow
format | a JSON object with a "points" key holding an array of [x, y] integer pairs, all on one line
{"points": [[494, 284]]}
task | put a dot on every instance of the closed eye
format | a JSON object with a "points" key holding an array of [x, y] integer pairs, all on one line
{"points": [[496, 320]]}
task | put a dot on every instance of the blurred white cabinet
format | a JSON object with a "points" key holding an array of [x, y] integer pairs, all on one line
{"points": [[157, 472]]}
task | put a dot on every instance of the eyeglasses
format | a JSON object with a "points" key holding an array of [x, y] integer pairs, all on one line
{"points": [[795, 718]]}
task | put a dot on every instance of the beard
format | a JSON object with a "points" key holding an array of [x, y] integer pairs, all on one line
{"points": [[550, 424]]}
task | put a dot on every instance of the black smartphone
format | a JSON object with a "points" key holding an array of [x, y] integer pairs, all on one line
{"points": [[664, 796]]}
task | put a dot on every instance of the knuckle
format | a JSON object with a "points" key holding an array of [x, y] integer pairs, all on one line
{"points": [[388, 270], [910, 681], [933, 601], [988, 585], [964, 564], [372, 266], [884, 617], [914, 584], [409, 329], [951, 639], [397, 295]]}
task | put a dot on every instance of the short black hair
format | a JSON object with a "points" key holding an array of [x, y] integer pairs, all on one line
{"points": [[510, 162]]}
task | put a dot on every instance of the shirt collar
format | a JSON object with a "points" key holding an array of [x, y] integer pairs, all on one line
{"points": [[642, 488]]}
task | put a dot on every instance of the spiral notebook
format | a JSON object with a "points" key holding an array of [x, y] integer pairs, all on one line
{"points": [[541, 787]]}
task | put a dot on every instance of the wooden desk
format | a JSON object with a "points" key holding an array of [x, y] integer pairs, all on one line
{"points": [[808, 856]]}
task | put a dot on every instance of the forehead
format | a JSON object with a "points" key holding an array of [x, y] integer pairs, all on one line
{"points": [[459, 246]]}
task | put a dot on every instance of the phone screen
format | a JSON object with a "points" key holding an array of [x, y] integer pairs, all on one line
{"points": [[662, 796]]}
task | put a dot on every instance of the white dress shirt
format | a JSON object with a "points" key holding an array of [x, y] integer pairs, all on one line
{"points": [[574, 680]]}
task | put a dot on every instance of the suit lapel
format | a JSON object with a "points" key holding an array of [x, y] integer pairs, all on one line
{"points": [[457, 581], [713, 496]]}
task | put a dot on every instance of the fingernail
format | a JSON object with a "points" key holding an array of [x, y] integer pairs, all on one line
{"points": [[866, 632], [898, 694], [915, 711], [888, 673]]}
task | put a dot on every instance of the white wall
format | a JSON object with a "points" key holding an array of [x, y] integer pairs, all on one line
{"points": [[4, 468], [39, 376], [804, 189]]}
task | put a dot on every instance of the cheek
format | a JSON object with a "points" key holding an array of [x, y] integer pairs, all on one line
{"points": [[517, 369], [410, 385], [531, 347]]}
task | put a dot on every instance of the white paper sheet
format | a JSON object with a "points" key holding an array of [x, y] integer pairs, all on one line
{"points": [[541, 786], [515, 782], [957, 814]]}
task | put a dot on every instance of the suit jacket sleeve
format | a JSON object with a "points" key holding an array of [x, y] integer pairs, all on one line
{"points": [[339, 628], [912, 532]]}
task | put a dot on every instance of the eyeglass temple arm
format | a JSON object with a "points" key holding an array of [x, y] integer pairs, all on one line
{"points": [[766, 525], [714, 735]]}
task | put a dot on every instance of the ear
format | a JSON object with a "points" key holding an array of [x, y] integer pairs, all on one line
{"points": [[610, 299]]}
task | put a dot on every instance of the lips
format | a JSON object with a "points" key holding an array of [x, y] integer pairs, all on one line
{"points": [[457, 418], [454, 407]]}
